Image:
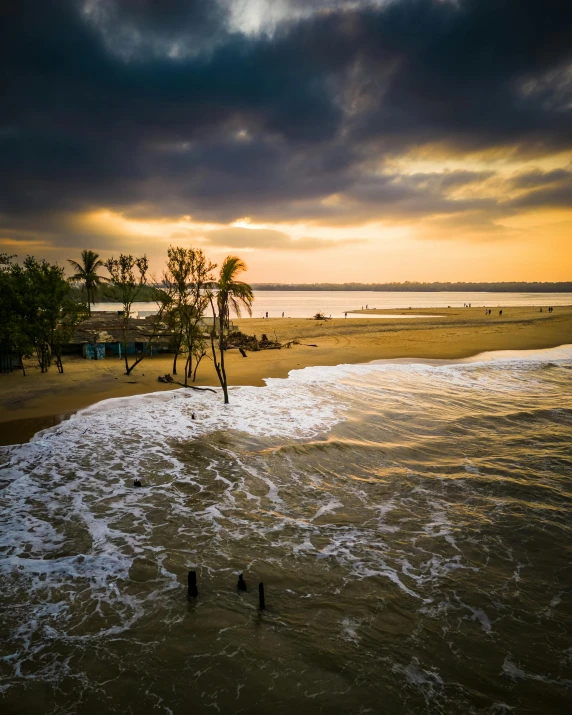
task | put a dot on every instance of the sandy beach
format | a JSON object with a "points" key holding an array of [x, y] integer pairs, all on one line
{"points": [[31, 403]]}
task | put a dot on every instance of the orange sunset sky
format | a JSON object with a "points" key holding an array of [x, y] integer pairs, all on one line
{"points": [[321, 141]]}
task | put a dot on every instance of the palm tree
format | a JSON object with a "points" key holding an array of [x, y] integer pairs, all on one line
{"points": [[230, 293], [86, 272]]}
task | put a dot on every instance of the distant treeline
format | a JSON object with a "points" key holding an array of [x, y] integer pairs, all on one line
{"points": [[504, 287], [111, 294]]}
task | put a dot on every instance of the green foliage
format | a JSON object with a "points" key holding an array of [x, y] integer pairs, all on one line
{"points": [[109, 293], [37, 312], [86, 273], [232, 293], [73, 313], [40, 310], [185, 299], [16, 312], [127, 275]]}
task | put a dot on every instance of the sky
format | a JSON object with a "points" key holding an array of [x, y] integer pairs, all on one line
{"points": [[320, 140]]}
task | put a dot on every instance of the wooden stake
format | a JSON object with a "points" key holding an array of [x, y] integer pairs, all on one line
{"points": [[261, 596], [193, 591]]}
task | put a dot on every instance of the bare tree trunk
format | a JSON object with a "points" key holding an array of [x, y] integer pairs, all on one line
{"points": [[189, 366], [222, 368], [179, 342], [42, 355], [198, 362], [22, 366], [217, 364], [148, 346], [219, 371], [130, 369], [187, 370], [125, 327]]}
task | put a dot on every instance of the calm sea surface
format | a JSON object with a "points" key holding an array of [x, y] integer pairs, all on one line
{"points": [[305, 304], [411, 523]]}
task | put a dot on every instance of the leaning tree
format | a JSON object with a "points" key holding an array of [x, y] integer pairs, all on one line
{"points": [[227, 293]]}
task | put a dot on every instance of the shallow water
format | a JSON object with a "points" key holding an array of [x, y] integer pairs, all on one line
{"points": [[410, 522], [305, 304]]}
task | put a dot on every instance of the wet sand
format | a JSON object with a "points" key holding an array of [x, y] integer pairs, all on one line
{"points": [[34, 402]]}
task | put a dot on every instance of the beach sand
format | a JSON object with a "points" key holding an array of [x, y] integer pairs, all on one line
{"points": [[31, 403]]}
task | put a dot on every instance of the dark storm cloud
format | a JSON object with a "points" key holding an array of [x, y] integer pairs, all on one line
{"points": [[551, 189], [537, 179], [135, 29], [163, 107]]}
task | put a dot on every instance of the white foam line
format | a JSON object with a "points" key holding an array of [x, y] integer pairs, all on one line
{"points": [[272, 410], [560, 352]]}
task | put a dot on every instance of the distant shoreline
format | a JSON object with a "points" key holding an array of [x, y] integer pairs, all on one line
{"points": [[503, 287], [555, 288]]}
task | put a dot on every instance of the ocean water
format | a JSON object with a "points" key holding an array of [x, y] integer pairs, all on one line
{"points": [[411, 522], [305, 304]]}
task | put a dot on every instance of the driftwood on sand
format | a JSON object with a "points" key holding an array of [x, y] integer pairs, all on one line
{"points": [[169, 380], [193, 387]]}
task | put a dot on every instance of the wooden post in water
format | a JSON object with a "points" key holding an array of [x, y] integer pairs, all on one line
{"points": [[261, 596], [193, 591]]}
